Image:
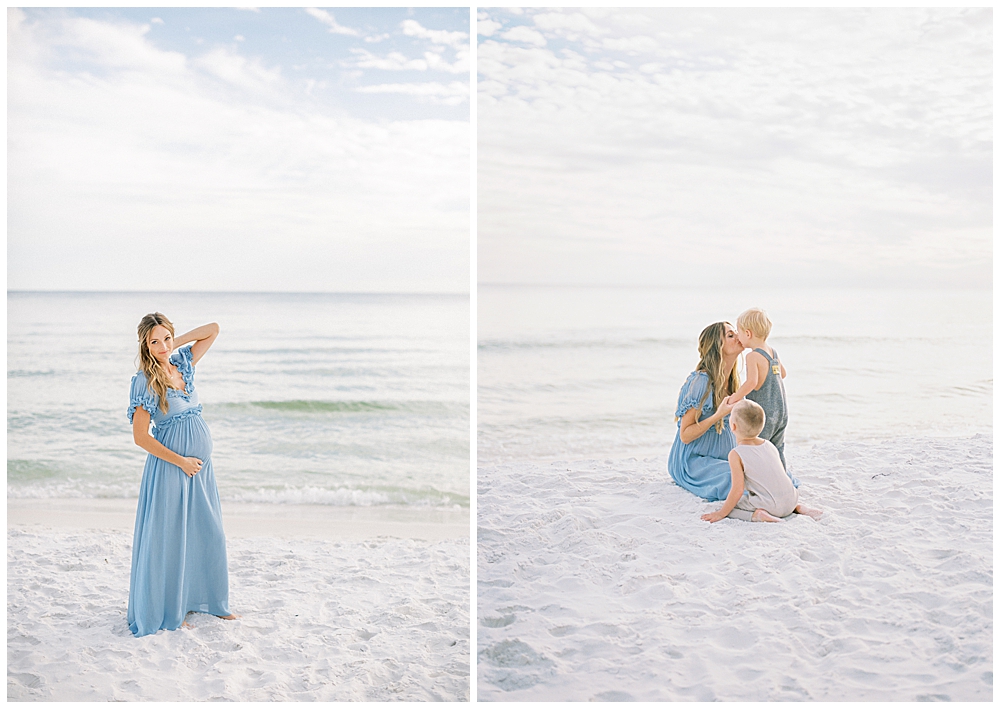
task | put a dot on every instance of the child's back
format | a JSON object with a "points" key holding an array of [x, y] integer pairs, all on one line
{"points": [[767, 484]]}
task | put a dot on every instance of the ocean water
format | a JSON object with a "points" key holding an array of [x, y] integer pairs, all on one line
{"points": [[578, 372], [311, 398]]}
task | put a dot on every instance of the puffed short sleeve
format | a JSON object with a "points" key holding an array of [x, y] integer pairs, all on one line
{"points": [[691, 393], [141, 396], [183, 359]]}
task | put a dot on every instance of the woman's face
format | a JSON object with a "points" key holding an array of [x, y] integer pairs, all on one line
{"points": [[160, 343], [731, 343]]}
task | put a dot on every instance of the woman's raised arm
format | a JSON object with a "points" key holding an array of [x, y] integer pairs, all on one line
{"points": [[202, 336]]}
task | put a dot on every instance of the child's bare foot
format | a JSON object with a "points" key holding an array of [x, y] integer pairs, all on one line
{"points": [[803, 510], [760, 515]]}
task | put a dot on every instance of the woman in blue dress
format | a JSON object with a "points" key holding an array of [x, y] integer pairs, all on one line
{"points": [[699, 458], [179, 548]]}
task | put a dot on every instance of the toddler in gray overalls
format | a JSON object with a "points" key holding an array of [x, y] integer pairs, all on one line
{"points": [[764, 383], [771, 397]]}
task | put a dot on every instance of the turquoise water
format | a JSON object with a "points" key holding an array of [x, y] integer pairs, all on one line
{"points": [[311, 398], [587, 372]]}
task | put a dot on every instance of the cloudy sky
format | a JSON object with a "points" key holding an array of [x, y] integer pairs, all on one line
{"points": [[691, 147], [228, 149]]}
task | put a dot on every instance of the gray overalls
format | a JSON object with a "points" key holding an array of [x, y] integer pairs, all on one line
{"points": [[771, 397]]}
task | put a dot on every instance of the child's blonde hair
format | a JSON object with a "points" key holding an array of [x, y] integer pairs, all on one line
{"points": [[749, 417], [756, 321]]}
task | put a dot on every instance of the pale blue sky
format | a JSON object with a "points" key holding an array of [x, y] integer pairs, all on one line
{"points": [[336, 55], [655, 146], [270, 149]]}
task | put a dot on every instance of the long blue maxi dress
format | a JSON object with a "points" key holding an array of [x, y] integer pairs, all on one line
{"points": [[701, 466], [179, 548]]}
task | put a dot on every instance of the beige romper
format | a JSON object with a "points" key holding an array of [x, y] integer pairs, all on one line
{"points": [[766, 482]]}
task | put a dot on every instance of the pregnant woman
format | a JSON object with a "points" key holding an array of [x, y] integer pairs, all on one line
{"points": [[179, 548], [699, 458]]}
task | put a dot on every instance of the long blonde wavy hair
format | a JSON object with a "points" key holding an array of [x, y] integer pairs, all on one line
{"points": [[721, 385], [148, 364]]}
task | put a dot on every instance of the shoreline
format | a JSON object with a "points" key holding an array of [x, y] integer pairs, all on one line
{"points": [[247, 519]]}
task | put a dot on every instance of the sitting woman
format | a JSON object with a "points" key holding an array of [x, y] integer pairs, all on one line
{"points": [[699, 458]]}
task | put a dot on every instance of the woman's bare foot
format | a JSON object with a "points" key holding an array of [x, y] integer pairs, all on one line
{"points": [[231, 616], [760, 515], [803, 510]]}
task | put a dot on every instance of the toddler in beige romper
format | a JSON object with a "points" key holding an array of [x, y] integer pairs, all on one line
{"points": [[768, 486], [757, 469]]}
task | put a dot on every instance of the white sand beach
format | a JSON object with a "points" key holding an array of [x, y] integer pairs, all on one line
{"points": [[598, 581], [336, 604]]}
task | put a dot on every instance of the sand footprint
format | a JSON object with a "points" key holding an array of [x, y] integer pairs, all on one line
{"points": [[613, 696], [501, 622], [563, 630]]}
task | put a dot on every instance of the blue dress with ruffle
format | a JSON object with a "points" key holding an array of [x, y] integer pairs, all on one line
{"points": [[179, 548], [701, 466]]}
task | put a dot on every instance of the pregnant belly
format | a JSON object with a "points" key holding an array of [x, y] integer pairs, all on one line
{"points": [[188, 437]]}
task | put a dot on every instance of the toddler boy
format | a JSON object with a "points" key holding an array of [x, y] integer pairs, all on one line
{"points": [[765, 373], [756, 468]]}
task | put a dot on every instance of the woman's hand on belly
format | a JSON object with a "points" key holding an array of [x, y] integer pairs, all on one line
{"points": [[190, 466]]}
